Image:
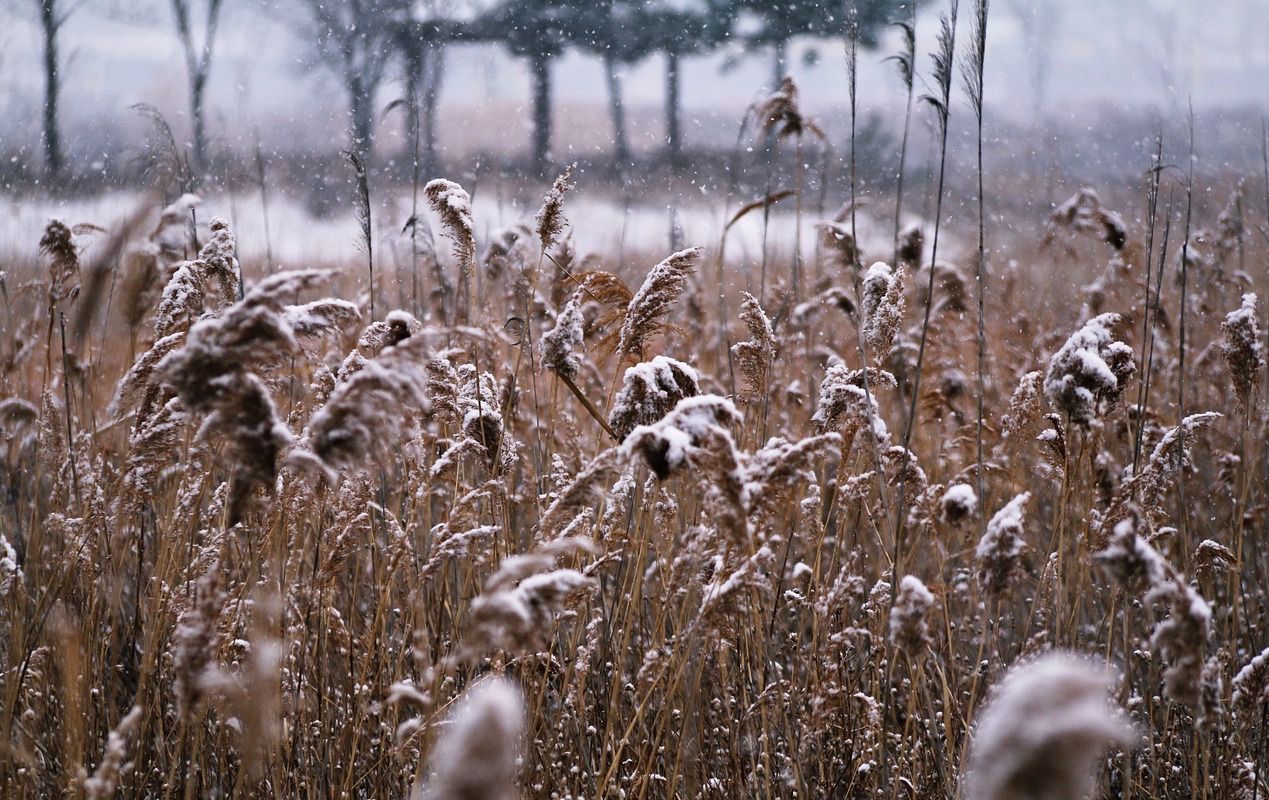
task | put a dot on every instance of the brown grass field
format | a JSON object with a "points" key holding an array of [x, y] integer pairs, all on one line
{"points": [[506, 518]]}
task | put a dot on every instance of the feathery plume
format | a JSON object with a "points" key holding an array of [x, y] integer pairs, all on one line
{"points": [[1042, 734], [364, 414], [559, 343], [909, 630], [1089, 374], [754, 356], [883, 308], [453, 205], [104, 781], [664, 284], [1251, 687], [476, 757], [1243, 350], [550, 217], [1001, 545]]}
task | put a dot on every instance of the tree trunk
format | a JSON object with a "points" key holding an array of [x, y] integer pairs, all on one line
{"points": [[360, 108], [617, 110], [197, 85], [434, 61], [541, 112], [673, 136], [779, 58], [52, 134]]}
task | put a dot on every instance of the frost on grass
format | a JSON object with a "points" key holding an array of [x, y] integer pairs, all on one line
{"points": [[1044, 730]]}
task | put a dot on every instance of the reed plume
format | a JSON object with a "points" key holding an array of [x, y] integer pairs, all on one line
{"points": [[1044, 731], [663, 285]]}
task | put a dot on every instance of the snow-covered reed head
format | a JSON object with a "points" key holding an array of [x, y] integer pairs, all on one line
{"points": [[1001, 545], [753, 357], [452, 204], [649, 391], [370, 408], [1244, 352], [665, 282], [550, 217], [476, 757], [1043, 732], [1088, 375], [559, 343], [958, 504], [883, 309], [909, 630]]}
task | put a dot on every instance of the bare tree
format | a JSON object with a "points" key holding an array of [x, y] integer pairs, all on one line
{"points": [[354, 39], [53, 15], [198, 57]]}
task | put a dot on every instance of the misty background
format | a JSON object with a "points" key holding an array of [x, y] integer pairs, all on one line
{"points": [[1076, 93]]}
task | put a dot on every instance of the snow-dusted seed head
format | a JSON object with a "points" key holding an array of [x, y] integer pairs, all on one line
{"points": [[114, 766], [649, 391], [371, 408], [909, 630], [559, 343], [519, 618], [1042, 733], [958, 504], [1001, 545], [1089, 374], [211, 374], [780, 115], [667, 444], [194, 641], [476, 755], [63, 260], [1026, 412], [1181, 639], [1130, 558], [1084, 214], [883, 308], [753, 357], [550, 217], [10, 569], [1251, 688], [1244, 352], [844, 401], [665, 282], [453, 205]]}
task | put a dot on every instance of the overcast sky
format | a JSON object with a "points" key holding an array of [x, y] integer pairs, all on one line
{"points": [[1121, 53]]}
